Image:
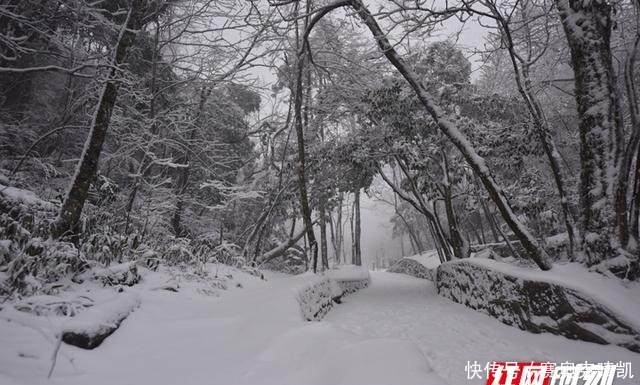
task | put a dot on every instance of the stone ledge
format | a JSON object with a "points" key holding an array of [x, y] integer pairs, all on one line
{"points": [[317, 297], [533, 305], [413, 268]]}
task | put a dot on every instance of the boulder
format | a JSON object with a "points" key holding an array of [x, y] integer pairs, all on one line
{"points": [[90, 328]]}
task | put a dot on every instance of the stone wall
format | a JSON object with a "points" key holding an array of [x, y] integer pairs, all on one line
{"points": [[351, 286], [317, 297], [413, 268], [534, 305]]}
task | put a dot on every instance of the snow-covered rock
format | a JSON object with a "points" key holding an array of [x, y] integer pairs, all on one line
{"points": [[568, 300], [93, 326]]}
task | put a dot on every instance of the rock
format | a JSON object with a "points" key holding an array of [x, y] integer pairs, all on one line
{"points": [[90, 328], [535, 306]]}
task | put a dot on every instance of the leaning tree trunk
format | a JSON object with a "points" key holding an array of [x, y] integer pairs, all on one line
{"points": [[73, 204], [587, 25], [475, 161]]}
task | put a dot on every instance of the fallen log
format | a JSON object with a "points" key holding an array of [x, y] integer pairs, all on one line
{"points": [[281, 248]]}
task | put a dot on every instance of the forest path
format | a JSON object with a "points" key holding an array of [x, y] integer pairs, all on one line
{"points": [[398, 331], [253, 335], [448, 334]]}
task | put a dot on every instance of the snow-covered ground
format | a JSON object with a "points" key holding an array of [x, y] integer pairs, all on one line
{"points": [[397, 331], [449, 335]]}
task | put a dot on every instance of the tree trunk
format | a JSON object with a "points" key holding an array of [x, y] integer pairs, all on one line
{"points": [[71, 209], [336, 230], [302, 185], [281, 248], [635, 213], [357, 230], [627, 174], [323, 240], [475, 161], [459, 244], [587, 26]]}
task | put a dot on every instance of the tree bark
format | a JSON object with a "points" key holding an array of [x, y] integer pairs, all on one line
{"points": [[71, 209], [587, 26], [302, 184], [357, 230], [323, 239]]}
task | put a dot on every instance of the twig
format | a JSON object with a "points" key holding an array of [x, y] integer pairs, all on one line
{"points": [[54, 357]]}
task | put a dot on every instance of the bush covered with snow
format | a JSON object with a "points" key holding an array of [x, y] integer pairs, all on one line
{"points": [[122, 274], [574, 303], [32, 263]]}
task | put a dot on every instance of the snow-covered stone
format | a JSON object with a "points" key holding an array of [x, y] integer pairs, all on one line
{"points": [[350, 278], [93, 326], [318, 296], [413, 268], [570, 302], [422, 265]]}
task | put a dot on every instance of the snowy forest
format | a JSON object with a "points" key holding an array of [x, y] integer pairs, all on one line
{"points": [[184, 185]]}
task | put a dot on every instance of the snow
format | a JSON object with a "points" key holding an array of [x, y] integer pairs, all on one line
{"points": [[348, 273], [397, 331], [18, 195], [428, 259], [103, 316], [608, 292], [558, 239], [448, 335]]}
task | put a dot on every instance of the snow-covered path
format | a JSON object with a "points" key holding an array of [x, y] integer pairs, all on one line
{"points": [[396, 332], [250, 336], [448, 334]]}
